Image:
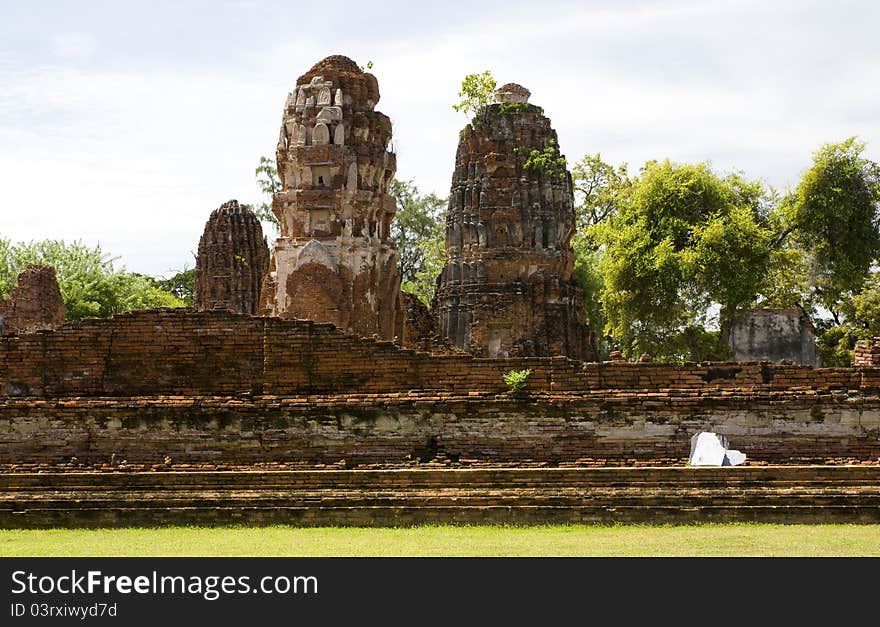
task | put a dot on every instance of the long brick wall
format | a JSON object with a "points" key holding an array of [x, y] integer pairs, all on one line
{"points": [[595, 428], [216, 387], [219, 353]]}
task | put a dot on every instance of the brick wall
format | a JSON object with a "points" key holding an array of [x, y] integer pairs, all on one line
{"points": [[176, 351], [220, 387], [622, 427]]}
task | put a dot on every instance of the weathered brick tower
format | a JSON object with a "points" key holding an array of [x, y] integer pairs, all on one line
{"points": [[232, 260], [334, 261], [506, 287]]}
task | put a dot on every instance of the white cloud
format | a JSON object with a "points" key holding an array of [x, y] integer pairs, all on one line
{"points": [[74, 46]]}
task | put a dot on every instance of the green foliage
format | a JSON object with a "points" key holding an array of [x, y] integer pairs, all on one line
{"points": [[418, 233], [730, 252], [786, 283], [516, 379], [587, 274], [547, 161], [836, 346], [507, 108], [678, 240], [863, 309], [90, 284], [833, 213], [269, 184], [180, 285], [367, 67], [857, 318], [599, 189], [425, 281], [477, 91]]}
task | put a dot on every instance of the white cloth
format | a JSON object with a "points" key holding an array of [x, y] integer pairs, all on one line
{"points": [[710, 449]]}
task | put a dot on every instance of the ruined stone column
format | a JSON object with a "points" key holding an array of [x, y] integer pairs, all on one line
{"points": [[334, 261], [506, 288], [232, 261], [35, 302]]}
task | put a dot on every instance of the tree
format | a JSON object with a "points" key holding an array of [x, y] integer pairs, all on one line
{"points": [[269, 184], [477, 91], [833, 214], [417, 232], [858, 319], [681, 240], [90, 284], [425, 283], [599, 189], [180, 284]]}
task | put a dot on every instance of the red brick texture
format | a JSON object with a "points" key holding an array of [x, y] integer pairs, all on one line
{"points": [[794, 494], [35, 302], [222, 387]]}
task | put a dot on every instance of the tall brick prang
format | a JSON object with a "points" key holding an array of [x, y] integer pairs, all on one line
{"points": [[506, 288], [35, 302], [334, 261], [232, 260]]}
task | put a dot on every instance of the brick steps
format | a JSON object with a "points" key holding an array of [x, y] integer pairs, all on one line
{"points": [[402, 497]]}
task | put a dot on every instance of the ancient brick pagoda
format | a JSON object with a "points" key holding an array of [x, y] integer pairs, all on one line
{"points": [[506, 288], [334, 261], [232, 261]]}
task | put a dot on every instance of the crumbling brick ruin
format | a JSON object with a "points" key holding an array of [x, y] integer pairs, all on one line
{"points": [[420, 328], [218, 387], [35, 302], [341, 370], [867, 353], [232, 261], [334, 261], [506, 287]]}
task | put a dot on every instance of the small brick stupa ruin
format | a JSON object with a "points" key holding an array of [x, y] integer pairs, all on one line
{"points": [[35, 302], [506, 288], [334, 261], [232, 261]]}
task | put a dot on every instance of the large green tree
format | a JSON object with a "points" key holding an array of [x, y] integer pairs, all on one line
{"points": [[91, 286], [681, 240]]}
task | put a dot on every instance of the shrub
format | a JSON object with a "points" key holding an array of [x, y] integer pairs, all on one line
{"points": [[516, 379]]}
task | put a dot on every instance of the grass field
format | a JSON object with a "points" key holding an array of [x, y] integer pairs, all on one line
{"points": [[575, 540]]}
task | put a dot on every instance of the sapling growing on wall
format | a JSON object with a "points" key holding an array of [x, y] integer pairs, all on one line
{"points": [[477, 91], [516, 379]]}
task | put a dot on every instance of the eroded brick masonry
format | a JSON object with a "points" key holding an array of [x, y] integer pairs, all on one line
{"points": [[224, 388], [232, 261], [334, 261], [506, 288], [35, 302]]}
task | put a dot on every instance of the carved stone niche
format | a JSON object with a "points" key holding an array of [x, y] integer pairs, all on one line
{"points": [[321, 134]]}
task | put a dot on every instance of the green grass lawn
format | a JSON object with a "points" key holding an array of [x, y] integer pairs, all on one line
{"points": [[557, 540]]}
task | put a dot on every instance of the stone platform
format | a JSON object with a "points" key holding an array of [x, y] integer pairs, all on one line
{"points": [[523, 496]]}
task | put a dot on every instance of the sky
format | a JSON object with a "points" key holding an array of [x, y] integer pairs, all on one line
{"points": [[125, 124]]}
